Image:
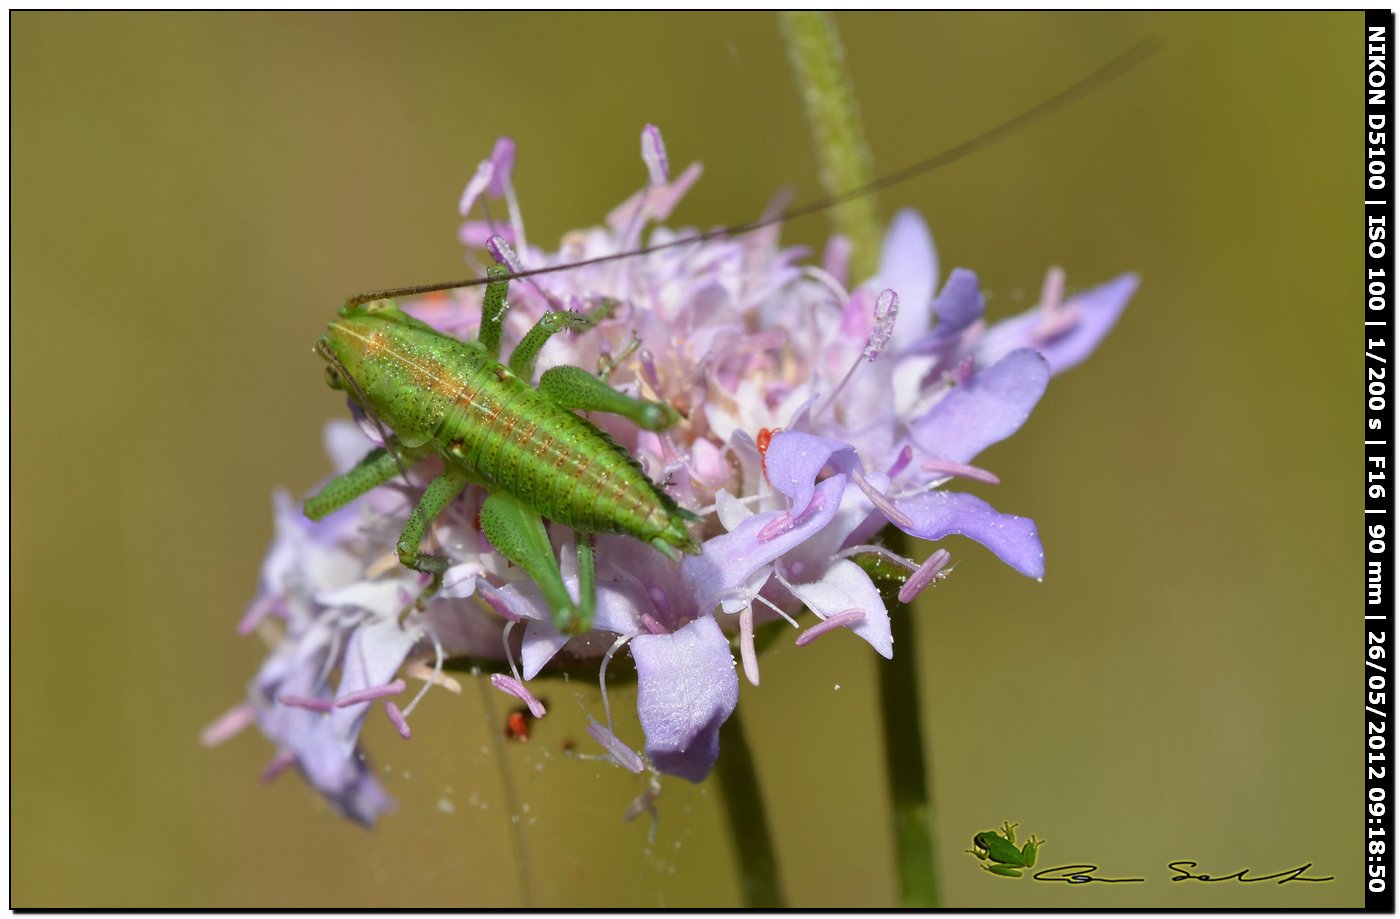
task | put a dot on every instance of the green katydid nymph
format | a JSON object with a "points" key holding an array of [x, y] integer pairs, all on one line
{"points": [[490, 426]]}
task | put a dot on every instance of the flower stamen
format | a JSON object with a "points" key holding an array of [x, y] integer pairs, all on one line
{"points": [[278, 765], [882, 503], [848, 617], [370, 694], [927, 573], [514, 687], [397, 719], [620, 753], [962, 470], [437, 673], [226, 725], [886, 312], [747, 653], [315, 705]]}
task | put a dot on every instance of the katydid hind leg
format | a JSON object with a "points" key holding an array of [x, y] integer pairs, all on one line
{"points": [[519, 534], [576, 388]]}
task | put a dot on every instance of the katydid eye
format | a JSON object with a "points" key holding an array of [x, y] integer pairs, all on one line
{"points": [[333, 379]]}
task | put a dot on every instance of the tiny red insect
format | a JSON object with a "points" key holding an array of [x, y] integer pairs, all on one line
{"points": [[765, 437], [518, 725]]}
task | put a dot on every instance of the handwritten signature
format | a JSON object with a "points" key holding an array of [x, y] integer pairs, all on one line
{"points": [[1084, 874]]}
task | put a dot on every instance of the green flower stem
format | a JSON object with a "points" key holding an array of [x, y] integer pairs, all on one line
{"points": [[746, 819], [815, 51], [817, 59], [910, 802]]}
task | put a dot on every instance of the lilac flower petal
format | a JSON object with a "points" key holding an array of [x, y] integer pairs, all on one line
{"points": [[345, 444], [989, 408], [845, 586], [375, 652], [727, 562], [541, 642], [385, 599], [460, 580], [936, 514], [794, 460], [1098, 310], [686, 689], [617, 610], [909, 265], [958, 306], [621, 754]]}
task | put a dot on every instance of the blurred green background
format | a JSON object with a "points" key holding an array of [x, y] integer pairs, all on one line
{"points": [[193, 195]]}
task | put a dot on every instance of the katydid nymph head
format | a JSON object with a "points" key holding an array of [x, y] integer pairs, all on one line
{"points": [[392, 365]]}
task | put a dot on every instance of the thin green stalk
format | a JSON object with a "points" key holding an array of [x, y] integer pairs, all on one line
{"points": [[746, 819], [815, 51], [911, 804], [814, 48]]}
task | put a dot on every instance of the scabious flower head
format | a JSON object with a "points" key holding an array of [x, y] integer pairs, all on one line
{"points": [[814, 414]]}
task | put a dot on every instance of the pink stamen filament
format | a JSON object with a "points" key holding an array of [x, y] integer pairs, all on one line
{"points": [[279, 764], [962, 470], [315, 705], [775, 527], [479, 183], [514, 687], [886, 311], [881, 551], [652, 626], [501, 251], [369, 695], [622, 754], [883, 504], [648, 363], [963, 372], [227, 725], [396, 716], [510, 656], [784, 522], [654, 155], [849, 617], [603, 674], [775, 608], [256, 612], [931, 570], [644, 802], [747, 653], [906, 453], [436, 677]]}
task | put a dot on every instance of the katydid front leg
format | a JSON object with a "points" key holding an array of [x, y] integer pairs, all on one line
{"points": [[377, 467]]}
